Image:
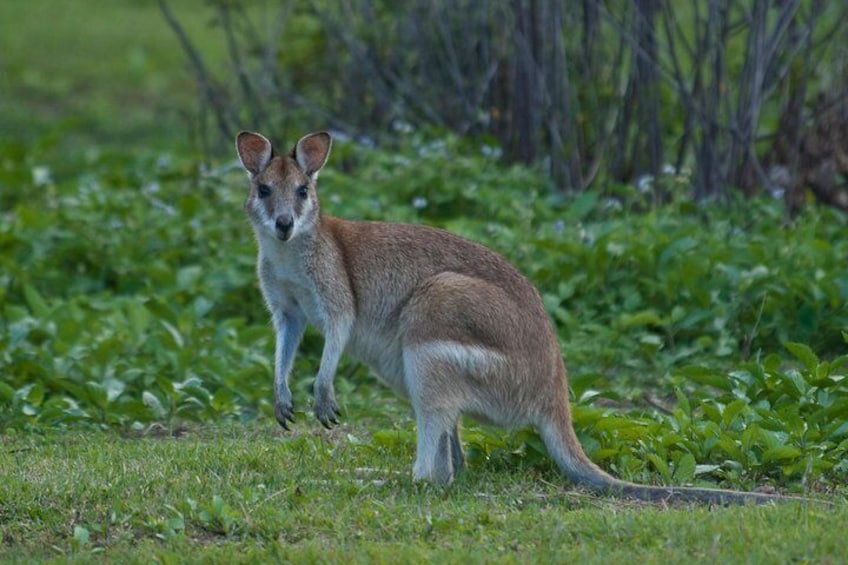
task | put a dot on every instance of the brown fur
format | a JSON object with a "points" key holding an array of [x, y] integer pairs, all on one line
{"points": [[444, 321]]}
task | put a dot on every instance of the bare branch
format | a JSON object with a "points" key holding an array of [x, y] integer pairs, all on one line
{"points": [[211, 94]]}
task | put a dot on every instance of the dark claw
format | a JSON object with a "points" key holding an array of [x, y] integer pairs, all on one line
{"points": [[334, 418], [328, 420], [326, 409], [284, 415], [284, 422]]}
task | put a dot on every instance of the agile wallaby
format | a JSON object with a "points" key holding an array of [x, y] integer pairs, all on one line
{"points": [[444, 321]]}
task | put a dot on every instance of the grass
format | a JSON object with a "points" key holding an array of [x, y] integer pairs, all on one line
{"points": [[80, 75], [247, 493]]}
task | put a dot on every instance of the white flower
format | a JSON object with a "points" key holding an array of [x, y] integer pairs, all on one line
{"points": [[644, 183], [41, 175], [401, 126], [490, 151]]}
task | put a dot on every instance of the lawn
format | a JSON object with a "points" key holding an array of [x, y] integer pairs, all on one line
{"points": [[87, 74], [247, 493], [705, 342]]}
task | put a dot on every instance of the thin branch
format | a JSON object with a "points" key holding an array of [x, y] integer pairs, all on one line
{"points": [[211, 94], [254, 105]]}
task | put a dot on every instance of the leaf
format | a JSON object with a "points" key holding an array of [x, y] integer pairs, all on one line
{"points": [[193, 387], [222, 399], [803, 353], [771, 438], [81, 536], [584, 204], [731, 411], [187, 277], [176, 524], [202, 306], [660, 465], [837, 411], [114, 389], [729, 446], [683, 402], [604, 454], [840, 432], [617, 423], [7, 393], [799, 385], [692, 318], [705, 469], [97, 394], [175, 334], [781, 453], [37, 305], [685, 470], [32, 393], [643, 318], [139, 320], [772, 363], [706, 376], [152, 401], [218, 504], [677, 247], [584, 416], [826, 369]]}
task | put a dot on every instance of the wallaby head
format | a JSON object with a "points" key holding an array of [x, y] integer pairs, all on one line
{"points": [[282, 201]]}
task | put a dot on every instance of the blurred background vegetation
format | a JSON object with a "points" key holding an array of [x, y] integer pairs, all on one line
{"points": [[743, 95], [748, 94], [654, 167]]}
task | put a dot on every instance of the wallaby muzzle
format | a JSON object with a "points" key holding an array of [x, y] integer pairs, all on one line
{"points": [[284, 224]]}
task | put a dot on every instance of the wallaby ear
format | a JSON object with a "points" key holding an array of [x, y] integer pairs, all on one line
{"points": [[254, 151], [311, 152]]}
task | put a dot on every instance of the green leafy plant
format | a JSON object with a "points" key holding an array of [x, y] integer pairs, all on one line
{"points": [[129, 298]]}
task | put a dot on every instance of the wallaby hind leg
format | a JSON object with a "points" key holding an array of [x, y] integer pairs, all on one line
{"points": [[451, 355], [435, 457], [431, 383]]}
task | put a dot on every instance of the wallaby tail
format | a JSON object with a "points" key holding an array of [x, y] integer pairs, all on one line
{"points": [[566, 451]]}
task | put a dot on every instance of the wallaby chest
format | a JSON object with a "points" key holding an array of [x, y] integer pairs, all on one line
{"points": [[288, 282]]}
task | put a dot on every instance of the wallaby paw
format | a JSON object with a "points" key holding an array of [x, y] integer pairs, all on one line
{"points": [[284, 412], [441, 476], [326, 409]]}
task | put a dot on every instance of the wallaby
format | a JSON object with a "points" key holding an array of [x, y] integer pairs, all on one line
{"points": [[444, 321]]}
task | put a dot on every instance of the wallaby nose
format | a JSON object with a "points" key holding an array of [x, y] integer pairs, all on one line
{"points": [[284, 225]]}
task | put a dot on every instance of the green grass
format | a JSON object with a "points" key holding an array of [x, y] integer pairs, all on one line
{"points": [[246, 493], [82, 75]]}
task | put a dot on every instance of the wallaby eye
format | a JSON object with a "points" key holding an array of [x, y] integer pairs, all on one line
{"points": [[263, 190], [303, 191]]}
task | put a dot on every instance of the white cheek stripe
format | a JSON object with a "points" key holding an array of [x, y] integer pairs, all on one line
{"points": [[257, 210], [303, 222]]}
